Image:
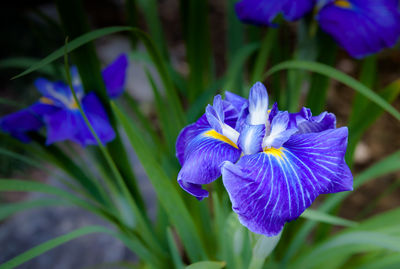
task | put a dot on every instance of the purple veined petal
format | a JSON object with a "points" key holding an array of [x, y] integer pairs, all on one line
{"points": [[68, 124], [188, 134], [362, 27], [276, 186], [76, 81], [193, 189], [237, 101], [216, 118], [322, 122], [192, 130], [98, 118], [61, 125], [263, 12], [230, 114], [273, 112], [19, 123], [215, 114], [306, 123], [42, 108], [56, 93], [203, 156], [242, 118], [295, 9], [251, 138], [114, 76], [280, 131], [243, 115]]}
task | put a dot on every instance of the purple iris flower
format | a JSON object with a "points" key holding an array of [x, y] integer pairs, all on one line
{"points": [[59, 112], [263, 12], [273, 163], [361, 27]]}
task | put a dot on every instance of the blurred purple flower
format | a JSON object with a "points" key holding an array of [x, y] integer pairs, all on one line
{"points": [[59, 112], [263, 12], [361, 27], [273, 163]]}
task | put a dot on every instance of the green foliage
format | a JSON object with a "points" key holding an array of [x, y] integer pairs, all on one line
{"points": [[188, 233]]}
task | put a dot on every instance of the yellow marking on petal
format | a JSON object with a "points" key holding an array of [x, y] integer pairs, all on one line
{"points": [[73, 105], [46, 101], [214, 134], [343, 3], [274, 152]]}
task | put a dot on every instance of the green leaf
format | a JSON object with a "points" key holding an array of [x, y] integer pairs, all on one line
{"points": [[150, 12], [198, 47], [326, 218], [44, 247], [340, 76], [32, 186], [24, 63], [236, 66], [354, 242], [262, 249], [367, 114], [387, 222], [133, 105], [52, 154], [206, 265], [76, 43], [319, 84], [39, 165], [165, 190], [127, 206], [263, 55], [168, 124], [176, 257], [198, 106], [7, 210], [383, 262]]}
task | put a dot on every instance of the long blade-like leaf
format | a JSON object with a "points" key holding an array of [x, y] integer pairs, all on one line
{"points": [[7, 210], [165, 190], [46, 246], [340, 76], [326, 218], [76, 43]]}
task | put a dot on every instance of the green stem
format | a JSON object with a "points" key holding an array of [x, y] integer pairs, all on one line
{"points": [[316, 97], [75, 24], [142, 224], [263, 55]]}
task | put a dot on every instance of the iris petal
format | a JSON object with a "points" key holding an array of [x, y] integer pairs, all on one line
{"points": [[69, 124], [237, 101], [251, 137], [280, 131], [98, 118], [188, 134], [276, 186], [19, 123], [363, 27], [203, 157], [306, 123], [114, 76], [263, 12]]}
